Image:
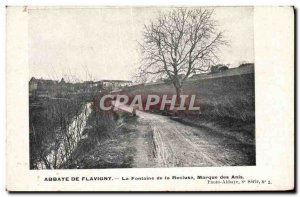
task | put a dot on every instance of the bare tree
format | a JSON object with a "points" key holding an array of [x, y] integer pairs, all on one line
{"points": [[180, 43]]}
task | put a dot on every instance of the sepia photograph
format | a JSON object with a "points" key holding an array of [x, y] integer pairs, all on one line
{"points": [[139, 98], [141, 87]]}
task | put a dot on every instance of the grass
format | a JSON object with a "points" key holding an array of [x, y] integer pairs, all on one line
{"points": [[227, 104], [227, 97], [106, 146]]}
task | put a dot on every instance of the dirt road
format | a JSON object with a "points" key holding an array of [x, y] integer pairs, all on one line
{"points": [[175, 144]]}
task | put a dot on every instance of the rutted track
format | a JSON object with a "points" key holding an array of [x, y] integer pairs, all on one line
{"points": [[176, 144]]}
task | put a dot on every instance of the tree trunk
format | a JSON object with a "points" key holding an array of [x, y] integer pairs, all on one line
{"points": [[178, 99], [178, 93]]}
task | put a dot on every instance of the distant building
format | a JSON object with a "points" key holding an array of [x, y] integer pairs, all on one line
{"points": [[91, 86], [218, 68], [62, 81], [64, 88], [246, 65], [241, 70], [115, 84], [33, 84], [42, 86]]}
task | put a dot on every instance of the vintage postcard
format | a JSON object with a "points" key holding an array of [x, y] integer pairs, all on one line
{"points": [[150, 98]]}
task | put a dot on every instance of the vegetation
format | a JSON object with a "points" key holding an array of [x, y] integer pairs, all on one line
{"points": [[180, 43], [54, 132]]}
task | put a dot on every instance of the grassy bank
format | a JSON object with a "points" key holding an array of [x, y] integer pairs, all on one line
{"points": [[107, 142], [225, 97], [48, 125], [227, 104]]}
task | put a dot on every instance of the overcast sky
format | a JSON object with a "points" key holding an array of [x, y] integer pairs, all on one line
{"points": [[100, 43]]}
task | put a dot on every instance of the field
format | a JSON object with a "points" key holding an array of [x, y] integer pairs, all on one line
{"points": [[226, 97], [227, 104]]}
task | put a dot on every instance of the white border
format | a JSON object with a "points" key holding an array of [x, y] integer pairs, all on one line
{"points": [[91, 2]]}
